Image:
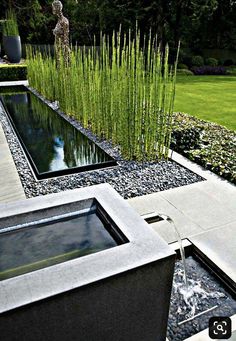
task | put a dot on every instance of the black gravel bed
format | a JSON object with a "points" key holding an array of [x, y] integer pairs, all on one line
{"points": [[129, 178], [208, 293]]}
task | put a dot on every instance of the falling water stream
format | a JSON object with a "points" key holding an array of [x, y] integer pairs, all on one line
{"points": [[196, 294], [182, 253], [191, 290]]}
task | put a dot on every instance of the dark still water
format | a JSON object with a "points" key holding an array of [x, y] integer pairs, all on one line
{"points": [[32, 248], [52, 144]]}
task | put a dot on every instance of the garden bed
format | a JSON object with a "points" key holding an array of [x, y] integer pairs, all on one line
{"points": [[208, 144], [129, 178]]}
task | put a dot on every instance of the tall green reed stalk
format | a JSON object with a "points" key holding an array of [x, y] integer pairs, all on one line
{"points": [[10, 27], [122, 90]]}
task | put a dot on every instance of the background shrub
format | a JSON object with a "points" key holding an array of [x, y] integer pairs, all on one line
{"points": [[184, 72], [231, 70], [181, 66], [211, 62], [209, 70], [13, 72], [197, 61], [187, 60], [228, 62]]}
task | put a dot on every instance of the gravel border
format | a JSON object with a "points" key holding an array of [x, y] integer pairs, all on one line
{"points": [[129, 178]]}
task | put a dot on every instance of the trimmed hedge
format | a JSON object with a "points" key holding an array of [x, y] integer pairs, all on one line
{"points": [[197, 61], [13, 72], [185, 136], [209, 70], [211, 62], [12, 90], [208, 144]]}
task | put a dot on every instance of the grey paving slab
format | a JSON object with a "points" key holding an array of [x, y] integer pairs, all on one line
{"points": [[200, 206], [10, 185], [219, 245], [222, 191], [155, 203]]}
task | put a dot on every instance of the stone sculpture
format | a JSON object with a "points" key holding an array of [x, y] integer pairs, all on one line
{"points": [[61, 32]]}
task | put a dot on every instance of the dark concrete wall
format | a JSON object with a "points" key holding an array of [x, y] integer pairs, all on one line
{"points": [[132, 306]]}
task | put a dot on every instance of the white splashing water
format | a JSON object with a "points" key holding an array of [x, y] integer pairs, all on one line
{"points": [[190, 291], [192, 295]]}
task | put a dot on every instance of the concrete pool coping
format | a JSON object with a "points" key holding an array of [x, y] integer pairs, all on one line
{"points": [[14, 83], [144, 247]]}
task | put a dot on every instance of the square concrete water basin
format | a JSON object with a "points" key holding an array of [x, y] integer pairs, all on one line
{"points": [[82, 265]]}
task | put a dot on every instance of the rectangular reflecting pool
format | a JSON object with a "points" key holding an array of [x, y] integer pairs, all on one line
{"points": [[38, 244], [53, 146]]}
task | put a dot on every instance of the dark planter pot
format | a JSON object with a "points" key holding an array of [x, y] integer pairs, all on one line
{"points": [[12, 47]]}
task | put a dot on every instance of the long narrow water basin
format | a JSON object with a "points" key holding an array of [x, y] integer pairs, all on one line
{"points": [[53, 146]]}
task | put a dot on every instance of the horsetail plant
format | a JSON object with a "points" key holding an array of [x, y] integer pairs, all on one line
{"points": [[10, 27], [122, 90]]}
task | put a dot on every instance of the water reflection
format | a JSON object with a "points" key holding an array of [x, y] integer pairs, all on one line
{"points": [[33, 248], [53, 143]]}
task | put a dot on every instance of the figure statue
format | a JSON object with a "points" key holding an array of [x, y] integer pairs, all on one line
{"points": [[61, 32]]}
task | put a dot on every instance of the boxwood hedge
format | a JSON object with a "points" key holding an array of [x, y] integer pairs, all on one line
{"points": [[13, 72], [208, 144]]}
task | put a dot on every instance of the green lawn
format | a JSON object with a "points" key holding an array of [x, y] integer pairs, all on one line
{"points": [[211, 98]]}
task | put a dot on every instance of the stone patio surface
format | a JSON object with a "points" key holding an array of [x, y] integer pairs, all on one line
{"points": [[10, 184]]}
